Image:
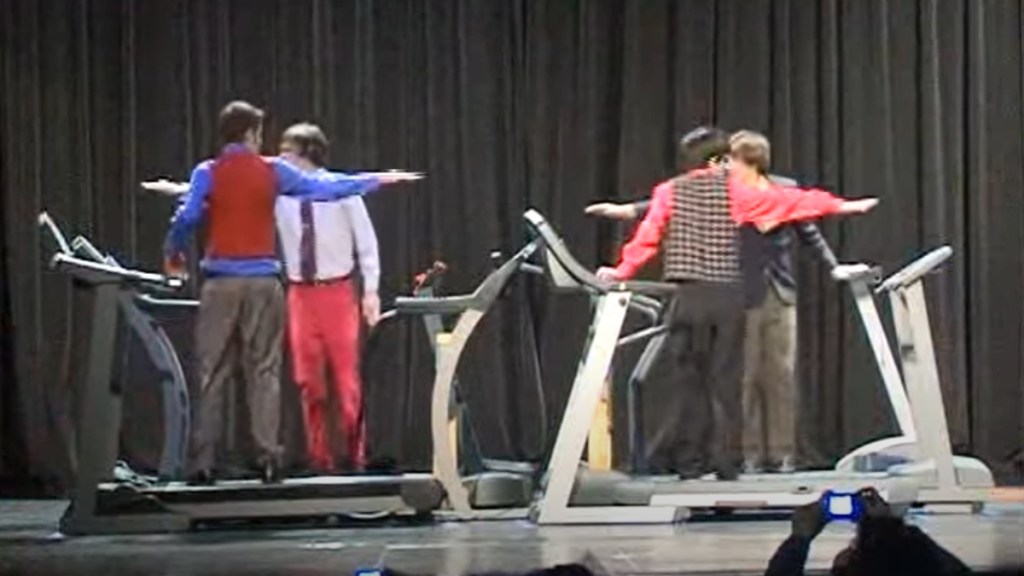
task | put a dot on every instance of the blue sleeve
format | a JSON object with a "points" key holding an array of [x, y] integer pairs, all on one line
{"points": [[191, 210], [322, 185]]}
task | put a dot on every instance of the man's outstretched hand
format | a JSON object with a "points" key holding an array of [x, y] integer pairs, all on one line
{"points": [[395, 176], [861, 206], [611, 210], [608, 274], [809, 520], [164, 186]]}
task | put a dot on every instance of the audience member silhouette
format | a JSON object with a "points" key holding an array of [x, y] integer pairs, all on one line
{"points": [[884, 546]]}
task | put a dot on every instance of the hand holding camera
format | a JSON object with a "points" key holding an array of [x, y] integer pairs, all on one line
{"points": [[834, 506]]}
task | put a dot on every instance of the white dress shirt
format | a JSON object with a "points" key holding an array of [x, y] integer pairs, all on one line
{"points": [[343, 232]]}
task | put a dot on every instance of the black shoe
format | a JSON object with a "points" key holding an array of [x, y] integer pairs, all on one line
{"points": [[270, 474], [202, 478], [692, 473], [727, 474]]}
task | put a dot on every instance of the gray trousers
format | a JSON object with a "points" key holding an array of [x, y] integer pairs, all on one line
{"points": [[769, 395], [239, 331]]}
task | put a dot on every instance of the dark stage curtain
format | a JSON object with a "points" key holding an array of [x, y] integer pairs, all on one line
{"points": [[514, 104]]}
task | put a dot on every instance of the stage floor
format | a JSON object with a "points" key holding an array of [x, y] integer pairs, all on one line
{"points": [[29, 547]]}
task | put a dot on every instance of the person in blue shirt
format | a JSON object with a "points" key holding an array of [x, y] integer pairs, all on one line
{"points": [[239, 328]]}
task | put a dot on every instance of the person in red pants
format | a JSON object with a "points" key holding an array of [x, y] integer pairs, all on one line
{"points": [[322, 243]]}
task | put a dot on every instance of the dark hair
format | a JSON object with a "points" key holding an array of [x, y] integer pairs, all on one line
{"points": [[309, 142], [236, 119], [701, 146]]}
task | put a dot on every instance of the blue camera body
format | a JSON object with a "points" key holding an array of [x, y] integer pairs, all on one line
{"points": [[842, 506]]}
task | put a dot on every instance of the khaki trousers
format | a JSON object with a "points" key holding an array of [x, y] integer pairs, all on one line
{"points": [[769, 396], [239, 330]]}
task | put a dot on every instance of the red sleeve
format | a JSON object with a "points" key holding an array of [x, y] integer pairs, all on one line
{"points": [[774, 205], [647, 240]]}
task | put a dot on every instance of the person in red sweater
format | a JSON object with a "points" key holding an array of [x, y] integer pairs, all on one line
{"points": [[695, 219], [240, 324]]}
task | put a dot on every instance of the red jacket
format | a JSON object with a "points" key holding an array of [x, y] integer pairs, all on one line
{"points": [[763, 207]]}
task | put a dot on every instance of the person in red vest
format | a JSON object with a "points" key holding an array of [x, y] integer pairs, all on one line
{"points": [[241, 305]]}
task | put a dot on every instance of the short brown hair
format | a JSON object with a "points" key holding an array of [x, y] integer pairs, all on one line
{"points": [[236, 119], [308, 141], [751, 148]]}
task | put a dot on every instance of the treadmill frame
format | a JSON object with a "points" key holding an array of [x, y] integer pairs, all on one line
{"points": [[130, 509], [469, 311], [161, 352], [923, 404]]}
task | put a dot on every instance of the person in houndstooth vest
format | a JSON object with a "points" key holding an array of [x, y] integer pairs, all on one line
{"points": [[695, 219]]}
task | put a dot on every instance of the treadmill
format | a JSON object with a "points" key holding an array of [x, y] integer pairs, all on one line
{"points": [[475, 488], [653, 499], [160, 351], [101, 504], [922, 449]]}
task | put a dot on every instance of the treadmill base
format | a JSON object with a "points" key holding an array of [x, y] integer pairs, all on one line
{"points": [[177, 507]]}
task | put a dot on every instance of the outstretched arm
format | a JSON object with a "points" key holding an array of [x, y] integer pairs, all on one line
{"points": [[326, 185], [189, 212], [771, 206], [646, 241], [613, 211], [164, 186]]}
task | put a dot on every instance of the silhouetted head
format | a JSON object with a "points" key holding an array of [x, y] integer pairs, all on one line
{"points": [[241, 123], [750, 150], [305, 144], [701, 147]]}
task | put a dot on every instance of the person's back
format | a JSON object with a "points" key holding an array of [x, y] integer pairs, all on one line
{"points": [[702, 241], [241, 206]]}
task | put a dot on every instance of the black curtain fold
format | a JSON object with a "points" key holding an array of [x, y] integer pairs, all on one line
{"points": [[508, 105]]}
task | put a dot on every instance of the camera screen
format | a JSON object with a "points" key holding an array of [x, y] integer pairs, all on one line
{"points": [[840, 505]]}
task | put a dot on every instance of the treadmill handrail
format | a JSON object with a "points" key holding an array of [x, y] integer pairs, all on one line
{"points": [[915, 270], [434, 305], [649, 287], [61, 260], [148, 300], [482, 297], [45, 221], [858, 271], [587, 279], [82, 245]]}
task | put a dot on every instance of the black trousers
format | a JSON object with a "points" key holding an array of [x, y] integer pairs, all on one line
{"points": [[704, 349]]}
